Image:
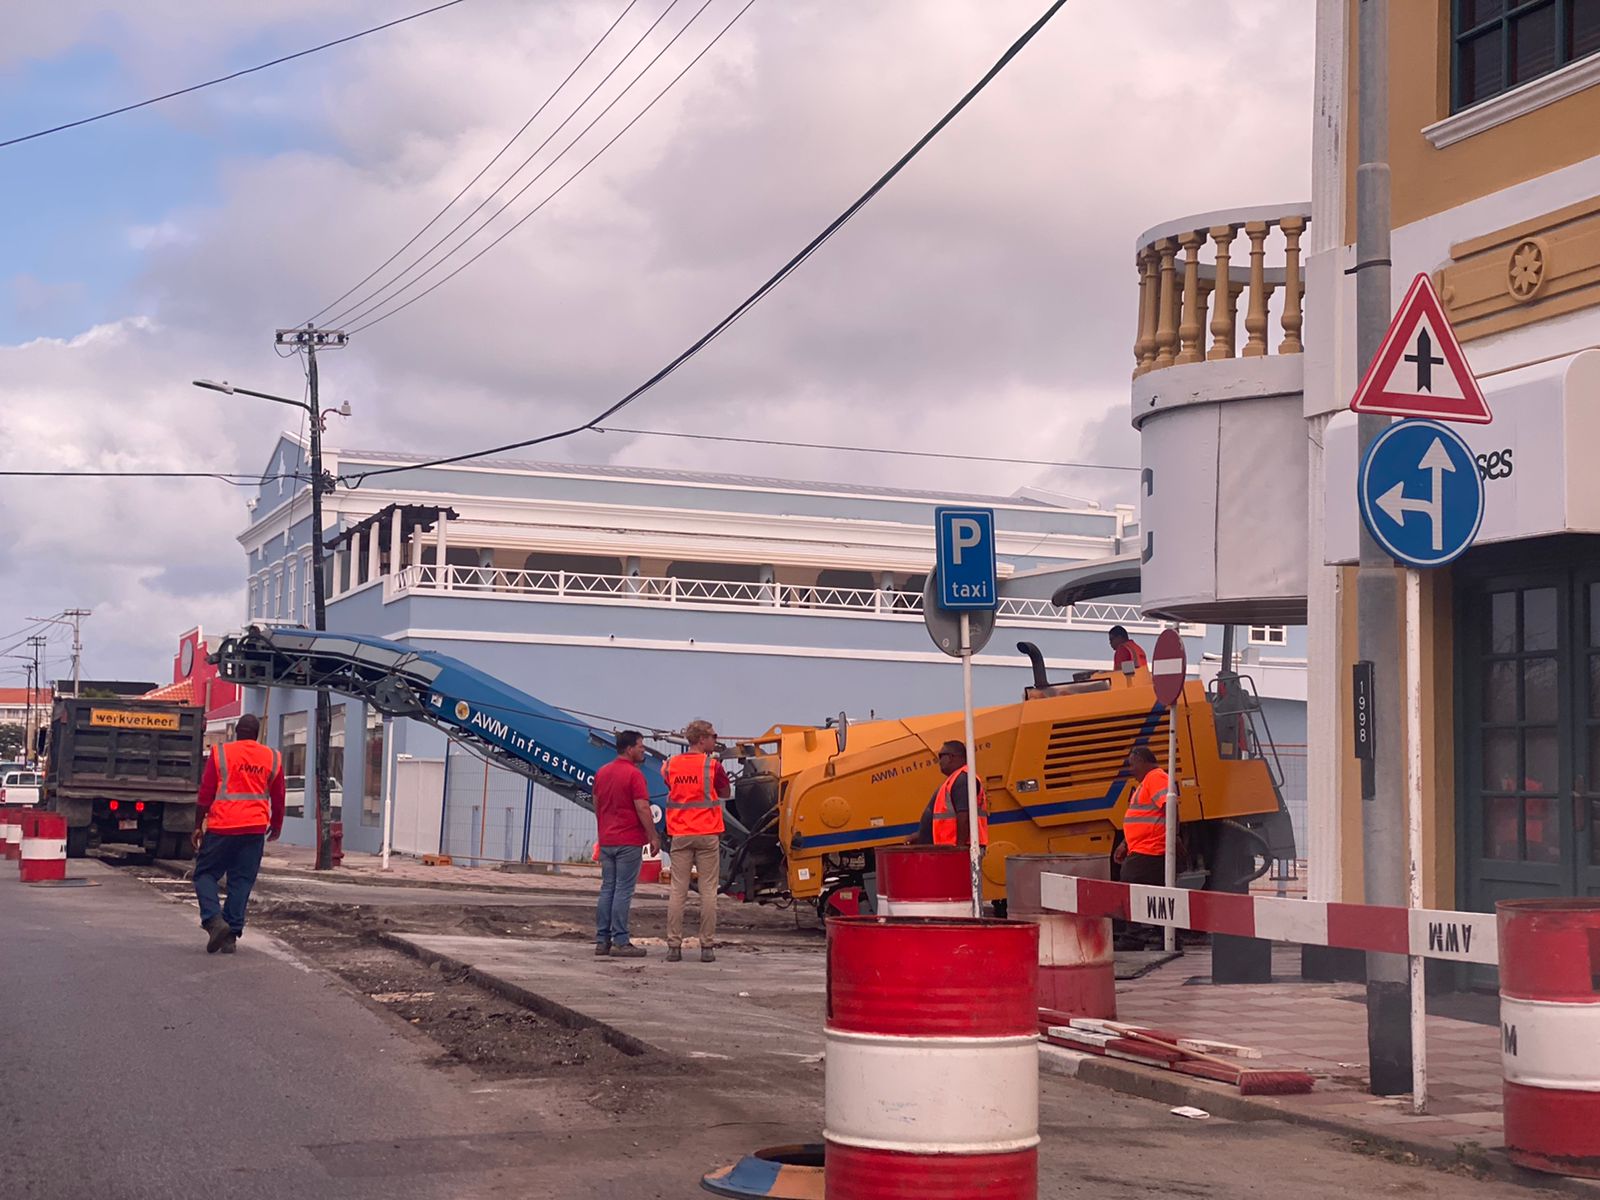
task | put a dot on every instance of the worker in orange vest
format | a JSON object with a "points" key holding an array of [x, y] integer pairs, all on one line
{"points": [[696, 787], [945, 821], [1142, 853], [240, 809], [1124, 649]]}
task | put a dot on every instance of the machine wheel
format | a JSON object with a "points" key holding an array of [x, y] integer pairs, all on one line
{"points": [[174, 846], [78, 842]]}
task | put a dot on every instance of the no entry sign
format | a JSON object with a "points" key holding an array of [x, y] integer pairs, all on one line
{"points": [[1169, 667]]}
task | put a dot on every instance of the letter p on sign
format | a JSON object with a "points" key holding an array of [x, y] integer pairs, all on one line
{"points": [[965, 533]]}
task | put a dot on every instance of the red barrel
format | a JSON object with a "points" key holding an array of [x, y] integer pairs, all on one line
{"points": [[924, 881], [931, 1086], [1550, 1033], [44, 847], [1077, 968], [11, 831]]}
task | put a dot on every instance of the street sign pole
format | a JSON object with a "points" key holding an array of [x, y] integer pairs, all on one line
{"points": [[1419, 1037], [972, 765], [1169, 669], [1170, 846]]}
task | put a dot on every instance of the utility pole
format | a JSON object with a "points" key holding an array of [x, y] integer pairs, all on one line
{"points": [[30, 750], [76, 615], [1383, 829], [309, 339]]}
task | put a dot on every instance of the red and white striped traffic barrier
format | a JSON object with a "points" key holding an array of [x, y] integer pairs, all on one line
{"points": [[44, 847], [1550, 1033], [924, 881], [11, 832], [1425, 932], [931, 1086], [1077, 967]]}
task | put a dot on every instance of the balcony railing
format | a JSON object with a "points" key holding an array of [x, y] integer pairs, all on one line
{"points": [[1175, 326], [785, 597]]}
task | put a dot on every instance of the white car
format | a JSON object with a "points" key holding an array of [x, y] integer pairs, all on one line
{"points": [[19, 787]]}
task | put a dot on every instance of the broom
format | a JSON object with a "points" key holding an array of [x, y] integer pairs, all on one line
{"points": [[1249, 1081]]}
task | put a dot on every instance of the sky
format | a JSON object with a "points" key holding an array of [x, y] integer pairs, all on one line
{"points": [[984, 302]]}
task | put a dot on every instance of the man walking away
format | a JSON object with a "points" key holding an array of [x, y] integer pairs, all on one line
{"points": [[696, 788], [944, 821], [1125, 650], [240, 809], [624, 826]]}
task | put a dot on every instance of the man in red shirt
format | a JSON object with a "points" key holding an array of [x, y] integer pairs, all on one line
{"points": [[239, 810], [624, 825], [1124, 649]]}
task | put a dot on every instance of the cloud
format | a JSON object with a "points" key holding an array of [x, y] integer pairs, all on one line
{"points": [[984, 302]]}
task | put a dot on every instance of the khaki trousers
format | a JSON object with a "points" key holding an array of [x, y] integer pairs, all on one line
{"points": [[703, 851]]}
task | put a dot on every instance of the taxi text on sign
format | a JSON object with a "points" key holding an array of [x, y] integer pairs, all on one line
{"points": [[966, 563], [1420, 371]]}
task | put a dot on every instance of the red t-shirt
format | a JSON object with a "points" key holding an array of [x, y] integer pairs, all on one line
{"points": [[1129, 651], [616, 786]]}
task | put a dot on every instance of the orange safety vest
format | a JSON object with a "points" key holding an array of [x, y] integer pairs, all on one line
{"points": [[1144, 825], [945, 816], [245, 771], [693, 806]]}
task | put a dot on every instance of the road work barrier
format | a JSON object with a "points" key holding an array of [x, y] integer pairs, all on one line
{"points": [[1427, 933], [44, 847], [1077, 969], [1550, 1033], [11, 832], [931, 1085], [924, 881]]}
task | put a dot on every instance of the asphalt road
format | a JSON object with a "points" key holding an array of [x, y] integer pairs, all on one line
{"points": [[134, 1066]]}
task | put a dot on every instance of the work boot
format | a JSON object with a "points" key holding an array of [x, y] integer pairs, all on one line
{"points": [[230, 944], [218, 931], [674, 954], [707, 954], [627, 950], [601, 949]]}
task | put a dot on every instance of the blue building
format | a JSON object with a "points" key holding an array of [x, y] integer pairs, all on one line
{"points": [[643, 598]]}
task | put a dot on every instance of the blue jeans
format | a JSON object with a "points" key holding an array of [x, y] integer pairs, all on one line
{"points": [[619, 875], [237, 856]]}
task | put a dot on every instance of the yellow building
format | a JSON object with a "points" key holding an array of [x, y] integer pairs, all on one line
{"points": [[1241, 396]]}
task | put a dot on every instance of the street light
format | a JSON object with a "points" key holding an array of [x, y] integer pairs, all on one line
{"points": [[319, 611]]}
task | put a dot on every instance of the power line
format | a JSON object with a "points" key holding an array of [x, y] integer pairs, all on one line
{"points": [[760, 293], [984, 458], [236, 478], [498, 155], [28, 137], [372, 303]]}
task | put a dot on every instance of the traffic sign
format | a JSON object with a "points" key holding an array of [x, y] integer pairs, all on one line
{"points": [[1420, 371], [945, 627], [1169, 667], [1421, 493], [965, 554]]}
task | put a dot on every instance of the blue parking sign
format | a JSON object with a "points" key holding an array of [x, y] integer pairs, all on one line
{"points": [[965, 555]]}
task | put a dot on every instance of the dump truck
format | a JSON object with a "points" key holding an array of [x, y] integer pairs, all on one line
{"points": [[811, 804], [125, 771]]}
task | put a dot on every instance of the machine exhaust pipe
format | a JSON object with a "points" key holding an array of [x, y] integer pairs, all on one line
{"points": [[1037, 659]]}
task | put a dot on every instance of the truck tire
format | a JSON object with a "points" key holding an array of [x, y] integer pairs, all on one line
{"points": [[78, 842], [174, 846]]}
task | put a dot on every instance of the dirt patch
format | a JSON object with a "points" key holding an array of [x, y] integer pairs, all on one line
{"points": [[471, 1026]]}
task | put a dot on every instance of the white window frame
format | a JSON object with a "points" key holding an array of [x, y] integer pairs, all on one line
{"points": [[1269, 635]]}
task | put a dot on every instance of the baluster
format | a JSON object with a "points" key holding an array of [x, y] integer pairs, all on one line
{"points": [[1152, 316], [1193, 326], [1255, 322], [1293, 288], [1144, 346], [1167, 329], [1222, 312]]}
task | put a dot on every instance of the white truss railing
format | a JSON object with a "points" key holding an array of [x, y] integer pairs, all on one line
{"points": [[788, 597]]}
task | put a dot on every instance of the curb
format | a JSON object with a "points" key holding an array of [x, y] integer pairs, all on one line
{"points": [[440, 885], [1132, 1080]]}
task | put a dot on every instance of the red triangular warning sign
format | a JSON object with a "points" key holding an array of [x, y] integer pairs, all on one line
{"points": [[1419, 370]]}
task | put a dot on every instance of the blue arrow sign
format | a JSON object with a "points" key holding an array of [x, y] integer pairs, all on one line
{"points": [[1421, 494]]}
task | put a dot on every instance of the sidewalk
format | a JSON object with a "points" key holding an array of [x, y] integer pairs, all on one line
{"points": [[1321, 1028], [578, 878]]}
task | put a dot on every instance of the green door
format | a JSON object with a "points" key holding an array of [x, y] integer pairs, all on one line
{"points": [[1528, 715]]}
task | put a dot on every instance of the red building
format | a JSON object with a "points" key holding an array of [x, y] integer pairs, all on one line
{"points": [[195, 681]]}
